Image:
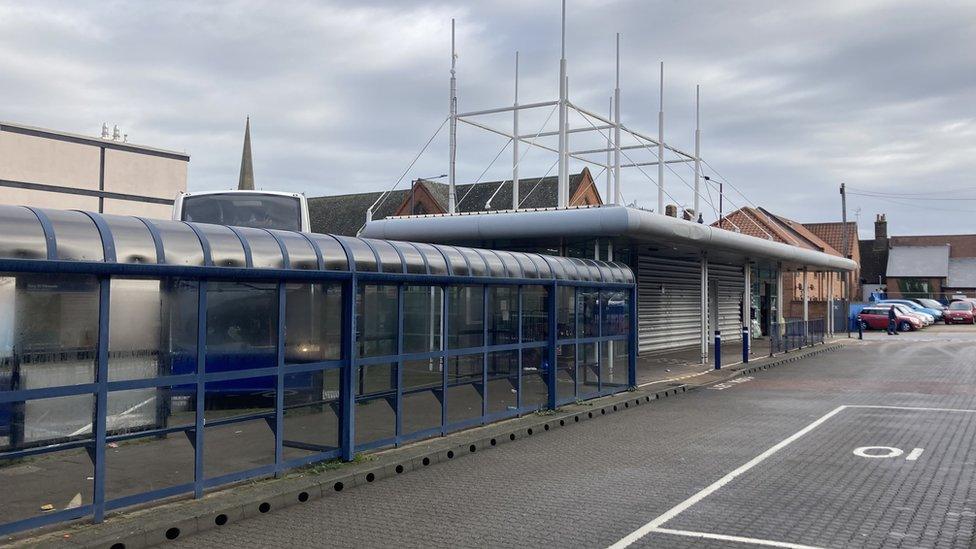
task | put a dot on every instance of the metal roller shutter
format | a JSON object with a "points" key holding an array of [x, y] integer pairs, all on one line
{"points": [[730, 281], [668, 303]]}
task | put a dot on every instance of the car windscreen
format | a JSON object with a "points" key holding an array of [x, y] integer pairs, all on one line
{"points": [[960, 306], [260, 211]]}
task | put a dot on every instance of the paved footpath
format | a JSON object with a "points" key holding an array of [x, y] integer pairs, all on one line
{"points": [[870, 446]]}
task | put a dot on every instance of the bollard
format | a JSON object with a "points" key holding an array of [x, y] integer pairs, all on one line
{"points": [[718, 350], [745, 345], [860, 330]]}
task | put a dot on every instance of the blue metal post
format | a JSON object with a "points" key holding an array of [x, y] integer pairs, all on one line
{"points": [[101, 400], [632, 351], [518, 393], [280, 383], [484, 354], [445, 332], [745, 344], [718, 349], [347, 441], [198, 472], [551, 372], [399, 364]]}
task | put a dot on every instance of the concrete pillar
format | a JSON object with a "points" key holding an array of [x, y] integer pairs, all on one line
{"points": [[746, 308], [830, 304], [806, 309], [703, 326], [779, 296]]}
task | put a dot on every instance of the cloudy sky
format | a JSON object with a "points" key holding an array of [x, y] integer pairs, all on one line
{"points": [[797, 97]]}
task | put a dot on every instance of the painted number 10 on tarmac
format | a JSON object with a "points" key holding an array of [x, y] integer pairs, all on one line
{"points": [[887, 452]]}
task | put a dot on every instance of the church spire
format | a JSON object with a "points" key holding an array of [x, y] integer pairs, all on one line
{"points": [[246, 181]]}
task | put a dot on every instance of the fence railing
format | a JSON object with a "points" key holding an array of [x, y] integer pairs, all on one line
{"points": [[795, 334]]}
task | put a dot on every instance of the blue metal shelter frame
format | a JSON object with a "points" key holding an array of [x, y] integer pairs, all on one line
{"points": [[107, 248]]}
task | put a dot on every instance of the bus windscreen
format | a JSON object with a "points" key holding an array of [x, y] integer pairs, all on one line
{"points": [[245, 210]]}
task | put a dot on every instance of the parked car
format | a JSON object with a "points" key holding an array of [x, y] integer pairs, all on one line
{"points": [[876, 318], [936, 314], [961, 312], [930, 303]]}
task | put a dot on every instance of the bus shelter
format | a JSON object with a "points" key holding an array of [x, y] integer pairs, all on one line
{"points": [[143, 359]]}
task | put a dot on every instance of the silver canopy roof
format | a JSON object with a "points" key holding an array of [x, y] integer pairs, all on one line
{"points": [[68, 235], [604, 221]]}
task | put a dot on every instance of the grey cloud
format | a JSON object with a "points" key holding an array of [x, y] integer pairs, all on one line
{"points": [[797, 96]]}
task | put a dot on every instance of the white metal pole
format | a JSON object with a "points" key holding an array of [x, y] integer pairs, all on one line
{"points": [[660, 149], [563, 179], [616, 131], [697, 146], [515, 142], [609, 196], [452, 196]]}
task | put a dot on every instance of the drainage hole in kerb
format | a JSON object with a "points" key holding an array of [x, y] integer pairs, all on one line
{"points": [[603, 411], [529, 431], [590, 414], [511, 436], [472, 448], [399, 469], [264, 507], [576, 419], [173, 533], [450, 454], [494, 442], [562, 422], [303, 497], [220, 519], [370, 477], [636, 402], [614, 407], [546, 426], [337, 487], [647, 399], [118, 546], [626, 405], [426, 462]]}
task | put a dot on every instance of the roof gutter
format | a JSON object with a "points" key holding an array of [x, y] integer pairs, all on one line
{"points": [[602, 221]]}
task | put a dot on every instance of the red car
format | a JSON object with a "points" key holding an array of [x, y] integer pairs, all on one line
{"points": [[876, 318], [961, 312]]}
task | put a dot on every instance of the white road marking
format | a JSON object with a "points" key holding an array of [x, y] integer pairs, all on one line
{"points": [[655, 525], [915, 454], [684, 505], [723, 537], [670, 379], [918, 408], [889, 452]]}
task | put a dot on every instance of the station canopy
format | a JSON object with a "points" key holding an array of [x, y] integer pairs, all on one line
{"points": [[668, 235]]}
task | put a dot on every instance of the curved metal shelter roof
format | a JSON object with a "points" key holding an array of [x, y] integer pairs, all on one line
{"points": [[70, 235], [609, 221]]}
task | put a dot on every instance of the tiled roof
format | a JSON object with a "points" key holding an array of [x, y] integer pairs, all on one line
{"points": [[346, 214], [962, 245], [761, 223], [833, 234]]}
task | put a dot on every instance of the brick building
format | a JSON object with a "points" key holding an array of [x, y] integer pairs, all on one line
{"points": [[822, 237]]}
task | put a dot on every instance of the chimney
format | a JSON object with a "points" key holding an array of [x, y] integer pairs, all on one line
{"points": [[671, 210], [880, 232]]}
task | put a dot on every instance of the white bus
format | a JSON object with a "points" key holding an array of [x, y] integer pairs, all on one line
{"points": [[257, 209]]}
